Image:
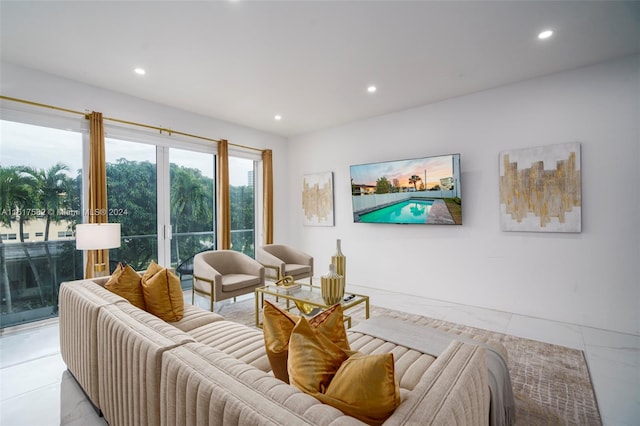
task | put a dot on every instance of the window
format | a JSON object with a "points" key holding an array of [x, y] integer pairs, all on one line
{"points": [[242, 196], [160, 189], [132, 201], [42, 172], [192, 205]]}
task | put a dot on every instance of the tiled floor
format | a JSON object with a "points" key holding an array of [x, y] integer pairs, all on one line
{"points": [[36, 390]]}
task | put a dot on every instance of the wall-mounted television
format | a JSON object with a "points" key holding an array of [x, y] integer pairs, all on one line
{"points": [[423, 191]]}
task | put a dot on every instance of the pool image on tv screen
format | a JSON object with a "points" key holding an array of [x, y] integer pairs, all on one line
{"points": [[423, 191]]}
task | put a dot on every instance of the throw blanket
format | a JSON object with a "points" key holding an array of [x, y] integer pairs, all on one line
{"points": [[433, 342]]}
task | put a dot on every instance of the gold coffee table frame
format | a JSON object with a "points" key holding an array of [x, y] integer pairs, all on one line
{"points": [[311, 296]]}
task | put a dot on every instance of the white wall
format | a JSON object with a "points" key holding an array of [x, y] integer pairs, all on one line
{"points": [[28, 84], [590, 278]]}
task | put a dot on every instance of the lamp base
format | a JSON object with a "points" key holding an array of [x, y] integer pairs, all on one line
{"points": [[99, 270]]}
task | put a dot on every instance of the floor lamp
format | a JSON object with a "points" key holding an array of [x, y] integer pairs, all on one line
{"points": [[98, 236]]}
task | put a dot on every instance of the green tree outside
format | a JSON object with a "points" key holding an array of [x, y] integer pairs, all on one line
{"points": [[383, 186]]}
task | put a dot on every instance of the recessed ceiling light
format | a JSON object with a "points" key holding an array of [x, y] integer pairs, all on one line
{"points": [[372, 89], [545, 34], [140, 71], [278, 117]]}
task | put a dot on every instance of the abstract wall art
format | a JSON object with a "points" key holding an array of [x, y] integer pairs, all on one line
{"points": [[317, 199], [540, 189]]}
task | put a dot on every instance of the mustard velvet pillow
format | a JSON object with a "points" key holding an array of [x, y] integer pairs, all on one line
{"points": [[364, 387], [126, 282], [313, 358], [152, 269], [163, 293], [278, 324]]}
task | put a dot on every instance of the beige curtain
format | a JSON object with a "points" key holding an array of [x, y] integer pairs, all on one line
{"points": [[224, 202], [267, 196], [97, 205]]}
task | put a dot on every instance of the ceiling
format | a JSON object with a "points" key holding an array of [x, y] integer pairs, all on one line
{"points": [[310, 61]]}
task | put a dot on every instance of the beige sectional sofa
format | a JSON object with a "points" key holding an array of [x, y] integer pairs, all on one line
{"points": [[139, 370]]}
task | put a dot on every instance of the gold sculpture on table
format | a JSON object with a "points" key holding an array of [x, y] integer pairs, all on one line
{"points": [[287, 284]]}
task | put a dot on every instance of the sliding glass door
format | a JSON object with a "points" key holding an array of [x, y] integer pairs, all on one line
{"points": [[243, 203], [191, 207], [133, 202]]}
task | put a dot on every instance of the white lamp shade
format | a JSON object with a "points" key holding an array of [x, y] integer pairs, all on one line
{"points": [[97, 236]]}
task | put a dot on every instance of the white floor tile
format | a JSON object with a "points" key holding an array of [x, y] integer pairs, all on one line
{"points": [[598, 337], [480, 318], [542, 330], [619, 402], [75, 408], [36, 342], [22, 378], [40, 407]]}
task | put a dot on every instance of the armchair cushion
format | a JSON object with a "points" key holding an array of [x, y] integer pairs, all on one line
{"points": [[294, 269], [233, 282]]}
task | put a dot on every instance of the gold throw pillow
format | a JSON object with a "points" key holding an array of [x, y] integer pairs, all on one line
{"points": [[313, 358], [364, 387], [163, 293], [152, 269], [125, 282], [278, 324]]}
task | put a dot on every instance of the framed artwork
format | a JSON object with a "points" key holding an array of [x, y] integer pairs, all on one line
{"points": [[540, 189], [317, 199]]}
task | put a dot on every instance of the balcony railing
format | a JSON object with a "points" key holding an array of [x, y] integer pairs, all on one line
{"points": [[31, 272]]}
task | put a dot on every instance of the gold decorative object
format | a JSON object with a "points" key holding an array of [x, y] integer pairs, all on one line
{"points": [[339, 260], [285, 281], [332, 285], [307, 309]]}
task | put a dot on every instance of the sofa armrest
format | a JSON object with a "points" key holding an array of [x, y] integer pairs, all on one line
{"points": [[454, 390], [80, 301]]}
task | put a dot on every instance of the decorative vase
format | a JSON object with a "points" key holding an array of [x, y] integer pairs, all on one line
{"points": [[332, 285], [339, 260]]}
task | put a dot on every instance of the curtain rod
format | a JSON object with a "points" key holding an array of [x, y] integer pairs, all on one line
{"points": [[131, 123]]}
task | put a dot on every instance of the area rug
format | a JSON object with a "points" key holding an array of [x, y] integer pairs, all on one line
{"points": [[551, 383]]}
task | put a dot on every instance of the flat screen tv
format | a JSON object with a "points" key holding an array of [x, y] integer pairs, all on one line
{"points": [[423, 191]]}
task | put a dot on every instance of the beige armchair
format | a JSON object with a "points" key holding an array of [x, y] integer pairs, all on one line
{"points": [[222, 274], [285, 260]]}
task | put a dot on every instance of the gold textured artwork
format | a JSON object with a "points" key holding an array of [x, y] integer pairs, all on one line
{"points": [[317, 199], [540, 189]]}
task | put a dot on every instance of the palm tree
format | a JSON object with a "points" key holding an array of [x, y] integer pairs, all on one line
{"points": [[51, 186], [188, 200], [14, 192], [414, 179]]}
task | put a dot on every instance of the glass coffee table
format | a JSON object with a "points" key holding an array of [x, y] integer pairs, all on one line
{"points": [[308, 300]]}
